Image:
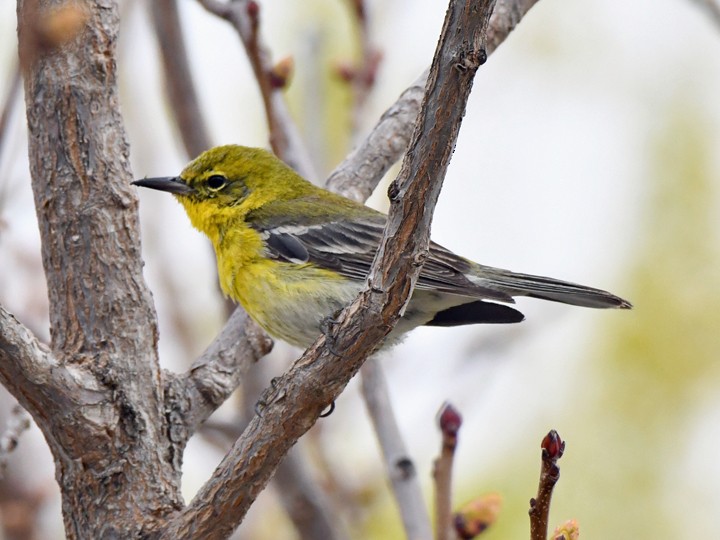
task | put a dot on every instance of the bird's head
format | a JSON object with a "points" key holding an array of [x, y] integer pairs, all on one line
{"points": [[229, 180]]}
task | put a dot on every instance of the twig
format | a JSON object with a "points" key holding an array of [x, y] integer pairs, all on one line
{"points": [[449, 421], [361, 171], [178, 77], [400, 468], [244, 16], [10, 101], [552, 450], [185, 104], [297, 399], [18, 422], [362, 74], [712, 8]]}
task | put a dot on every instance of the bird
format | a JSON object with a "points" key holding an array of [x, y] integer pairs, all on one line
{"points": [[293, 254]]}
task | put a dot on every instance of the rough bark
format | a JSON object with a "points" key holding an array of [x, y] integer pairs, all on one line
{"points": [[106, 430]]}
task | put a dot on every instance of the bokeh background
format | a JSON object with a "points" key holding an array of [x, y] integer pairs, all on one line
{"points": [[590, 151]]}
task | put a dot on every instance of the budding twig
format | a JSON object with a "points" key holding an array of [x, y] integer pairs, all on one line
{"points": [[552, 450], [449, 420]]}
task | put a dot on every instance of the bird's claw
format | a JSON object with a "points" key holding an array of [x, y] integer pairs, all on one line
{"points": [[329, 410]]}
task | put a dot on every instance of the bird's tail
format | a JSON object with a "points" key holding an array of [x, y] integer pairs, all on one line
{"points": [[546, 288]]}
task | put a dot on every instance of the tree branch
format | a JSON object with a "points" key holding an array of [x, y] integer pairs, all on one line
{"points": [[179, 83], [244, 16], [712, 8], [32, 373], [400, 468], [449, 421], [293, 404], [361, 75], [361, 171], [553, 448], [104, 421], [9, 102], [192, 397]]}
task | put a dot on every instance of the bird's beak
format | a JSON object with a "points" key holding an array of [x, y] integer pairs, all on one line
{"points": [[171, 184]]}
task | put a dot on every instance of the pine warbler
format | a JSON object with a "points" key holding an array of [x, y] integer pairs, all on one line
{"points": [[293, 254]]}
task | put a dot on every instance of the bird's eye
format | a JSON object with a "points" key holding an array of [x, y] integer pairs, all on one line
{"points": [[216, 181]]}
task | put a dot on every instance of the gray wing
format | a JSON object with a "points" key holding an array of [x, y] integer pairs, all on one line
{"points": [[348, 247]]}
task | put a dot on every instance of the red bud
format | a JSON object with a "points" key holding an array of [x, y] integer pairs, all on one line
{"points": [[553, 445], [449, 419], [253, 10]]}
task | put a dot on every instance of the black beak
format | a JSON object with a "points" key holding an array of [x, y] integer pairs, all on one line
{"points": [[171, 184]]}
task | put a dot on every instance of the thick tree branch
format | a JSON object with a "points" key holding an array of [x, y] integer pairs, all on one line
{"points": [[361, 171], [398, 464], [103, 324], [32, 373], [192, 397], [312, 511], [293, 404]]}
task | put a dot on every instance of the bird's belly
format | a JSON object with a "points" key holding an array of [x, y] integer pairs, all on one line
{"points": [[291, 301]]}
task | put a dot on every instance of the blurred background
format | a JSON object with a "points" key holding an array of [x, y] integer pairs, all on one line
{"points": [[590, 152]]}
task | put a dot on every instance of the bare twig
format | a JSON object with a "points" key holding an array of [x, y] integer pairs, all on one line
{"points": [[361, 75], [295, 401], [712, 8], [18, 422], [398, 464], [244, 16], [362, 169], [552, 450], [449, 421], [10, 101], [178, 77]]}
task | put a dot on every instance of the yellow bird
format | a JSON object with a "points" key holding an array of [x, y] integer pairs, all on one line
{"points": [[293, 254]]}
